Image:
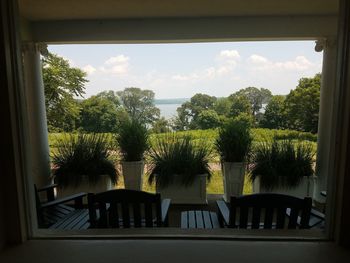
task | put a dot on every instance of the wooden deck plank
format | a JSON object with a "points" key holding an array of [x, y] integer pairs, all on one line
{"points": [[191, 220], [199, 219], [207, 221], [184, 219]]}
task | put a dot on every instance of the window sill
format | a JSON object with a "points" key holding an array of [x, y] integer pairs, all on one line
{"points": [[173, 251]]}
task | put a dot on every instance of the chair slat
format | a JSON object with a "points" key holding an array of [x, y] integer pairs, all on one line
{"points": [[103, 215], [137, 214], [293, 218], [268, 217], [256, 217], [125, 214], [113, 219], [148, 214], [243, 217], [280, 218]]}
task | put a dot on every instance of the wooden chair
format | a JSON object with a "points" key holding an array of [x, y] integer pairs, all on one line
{"points": [[56, 214], [127, 208], [265, 211]]}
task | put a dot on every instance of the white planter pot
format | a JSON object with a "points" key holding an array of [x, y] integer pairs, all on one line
{"points": [[233, 177], [180, 194], [133, 175], [103, 185], [305, 188]]}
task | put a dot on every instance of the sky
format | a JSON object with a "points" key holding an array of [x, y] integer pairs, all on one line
{"points": [[182, 70]]}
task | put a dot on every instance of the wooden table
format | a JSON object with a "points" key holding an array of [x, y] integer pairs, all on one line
{"points": [[199, 219]]}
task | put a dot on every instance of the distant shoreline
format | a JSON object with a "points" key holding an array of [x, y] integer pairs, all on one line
{"points": [[170, 101]]}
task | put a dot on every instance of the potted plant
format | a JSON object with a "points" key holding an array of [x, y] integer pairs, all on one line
{"points": [[82, 163], [180, 169], [233, 145], [133, 142], [283, 167]]}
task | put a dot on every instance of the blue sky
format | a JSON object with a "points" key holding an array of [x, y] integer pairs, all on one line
{"points": [[182, 70]]}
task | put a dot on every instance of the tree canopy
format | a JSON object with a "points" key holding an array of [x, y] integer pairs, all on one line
{"points": [[98, 114], [302, 105], [274, 116], [139, 104], [62, 84], [256, 97]]}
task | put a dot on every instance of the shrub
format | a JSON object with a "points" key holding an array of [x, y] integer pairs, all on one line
{"points": [[282, 159], [132, 140], [234, 141], [82, 155], [174, 156]]}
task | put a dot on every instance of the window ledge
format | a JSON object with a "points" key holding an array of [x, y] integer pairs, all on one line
{"points": [[173, 251]]}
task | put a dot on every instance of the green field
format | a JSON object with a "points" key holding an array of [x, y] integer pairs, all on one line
{"points": [[215, 186]]}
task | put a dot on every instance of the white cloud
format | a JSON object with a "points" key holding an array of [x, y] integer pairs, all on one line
{"points": [[120, 59], [226, 61], [300, 63], [230, 54], [89, 69], [118, 65], [256, 59]]}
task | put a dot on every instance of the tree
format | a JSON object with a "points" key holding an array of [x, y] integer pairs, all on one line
{"points": [[257, 97], [274, 116], [139, 104], [200, 102], [62, 83], [223, 106], [190, 110], [240, 104], [183, 119], [302, 105], [109, 95], [208, 119], [98, 114], [161, 125]]}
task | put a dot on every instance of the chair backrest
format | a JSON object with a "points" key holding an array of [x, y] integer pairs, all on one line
{"points": [[124, 209], [269, 211]]}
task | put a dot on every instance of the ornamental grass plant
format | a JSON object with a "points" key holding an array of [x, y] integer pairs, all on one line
{"points": [[82, 156], [178, 159]]}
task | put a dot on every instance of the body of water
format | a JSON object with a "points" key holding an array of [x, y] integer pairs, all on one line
{"points": [[168, 110]]}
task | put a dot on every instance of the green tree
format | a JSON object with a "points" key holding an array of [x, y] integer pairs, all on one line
{"points": [[257, 97], [274, 116], [98, 114], [240, 104], [109, 95], [190, 110], [208, 119], [302, 105], [62, 83], [223, 106], [139, 104], [160, 126], [183, 119], [200, 102]]}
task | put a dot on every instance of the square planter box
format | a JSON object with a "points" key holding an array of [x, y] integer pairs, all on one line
{"points": [[180, 194], [304, 189], [233, 179], [103, 185], [133, 175]]}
